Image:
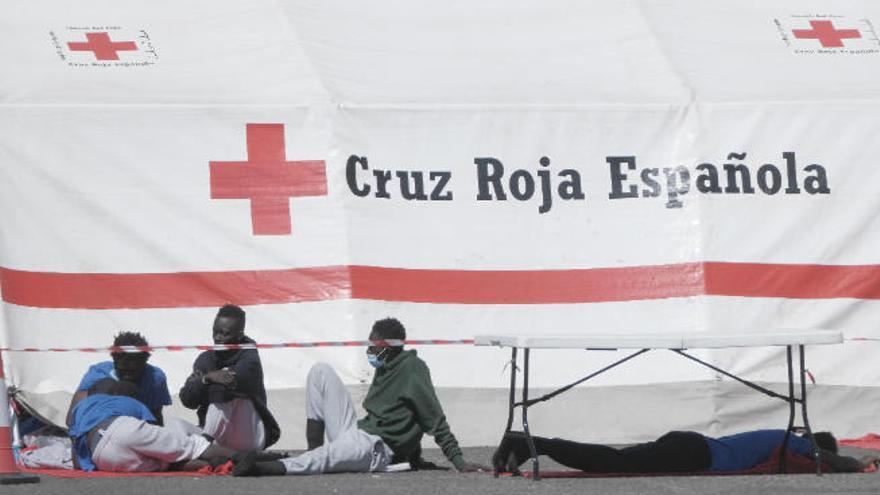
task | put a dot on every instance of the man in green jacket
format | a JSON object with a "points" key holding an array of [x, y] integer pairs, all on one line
{"points": [[401, 407]]}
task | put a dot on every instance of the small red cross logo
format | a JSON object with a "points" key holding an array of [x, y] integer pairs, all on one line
{"points": [[267, 179], [100, 44], [826, 34]]}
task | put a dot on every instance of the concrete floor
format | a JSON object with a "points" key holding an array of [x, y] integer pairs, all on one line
{"points": [[441, 482]]}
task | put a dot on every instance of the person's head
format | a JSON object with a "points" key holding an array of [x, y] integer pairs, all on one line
{"points": [[109, 386], [826, 441], [130, 366], [386, 329], [229, 325]]}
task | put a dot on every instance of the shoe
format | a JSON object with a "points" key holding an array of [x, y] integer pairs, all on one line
{"points": [[265, 456], [245, 464], [512, 453], [259, 456], [248, 465]]}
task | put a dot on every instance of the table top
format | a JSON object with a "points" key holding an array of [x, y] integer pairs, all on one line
{"points": [[687, 340]]}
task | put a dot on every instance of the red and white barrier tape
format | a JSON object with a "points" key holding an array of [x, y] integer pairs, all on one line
{"points": [[283, 345], [227, 347]]}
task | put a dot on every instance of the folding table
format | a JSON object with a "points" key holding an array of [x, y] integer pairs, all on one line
{"points": [[678, 343]]}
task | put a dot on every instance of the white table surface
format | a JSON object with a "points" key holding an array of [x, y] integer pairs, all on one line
{"points": [[688, 340]]}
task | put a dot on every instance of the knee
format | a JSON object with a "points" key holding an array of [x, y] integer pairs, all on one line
{"points": [[319, 371]]}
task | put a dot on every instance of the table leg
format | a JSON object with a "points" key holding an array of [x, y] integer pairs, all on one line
{"points": [[791, 408], [525, 416], [512, 401], [815, 450], [511, 405]]}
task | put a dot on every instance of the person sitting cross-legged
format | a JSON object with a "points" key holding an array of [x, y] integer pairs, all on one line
{"points": [[401, 407], [675, 452], [226, 388]]}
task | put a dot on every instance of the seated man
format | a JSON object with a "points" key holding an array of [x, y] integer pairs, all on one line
{"points": [[152, 388], [113, 431], [677, 451], [401, 407], [226, 388]]}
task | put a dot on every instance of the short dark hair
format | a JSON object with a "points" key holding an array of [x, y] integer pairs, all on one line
{"points": [[389, 329], [109, 386], [130, 338], [232, 311], [826, 441]]}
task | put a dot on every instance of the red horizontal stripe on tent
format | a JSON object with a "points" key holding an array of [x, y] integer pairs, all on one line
{"points": [[201, 289], [527, 287], [172, 290], [793, 281]]}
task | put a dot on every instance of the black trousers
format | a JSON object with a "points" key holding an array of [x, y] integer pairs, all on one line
{"points": [[676, 451]]}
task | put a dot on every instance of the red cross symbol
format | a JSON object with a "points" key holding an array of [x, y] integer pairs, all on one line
{"points": [[100, 44], [826, 34], [267, 179]]}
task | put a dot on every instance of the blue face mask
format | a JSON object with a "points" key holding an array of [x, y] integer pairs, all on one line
{"points": [[376, 360]]}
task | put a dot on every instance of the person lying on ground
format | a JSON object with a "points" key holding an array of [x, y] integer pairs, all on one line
{"points": [[401, 406], [226, 388], [113, 431], [152, 387], [676, 451]]}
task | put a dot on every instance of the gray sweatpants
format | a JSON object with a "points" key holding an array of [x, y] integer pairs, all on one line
{"points": [[347, 449], [235, 425], [130, 444]]}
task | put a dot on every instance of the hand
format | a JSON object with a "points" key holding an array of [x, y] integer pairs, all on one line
{"points": [[225, 377], [472, 467]]}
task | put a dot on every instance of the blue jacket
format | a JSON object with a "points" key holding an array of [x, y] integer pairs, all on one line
{"points": [[152, 389], [89, 413], [746, 450]]}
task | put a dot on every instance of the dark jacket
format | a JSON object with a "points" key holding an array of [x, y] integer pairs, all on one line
{"points": [[401, 406], [248, 384]]}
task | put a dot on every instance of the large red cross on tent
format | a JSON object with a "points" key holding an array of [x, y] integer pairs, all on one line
{"points": [[102, 46], [267, 179]]}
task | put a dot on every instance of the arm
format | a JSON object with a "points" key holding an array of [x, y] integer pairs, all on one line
{"points": [[429, 413], [77, 396], [194, 392], [248, 374], [158, 414], [160, 397], [93, 374]]}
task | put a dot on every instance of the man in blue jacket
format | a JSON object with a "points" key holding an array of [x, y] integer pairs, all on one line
{"points": [[150, 382], [226, 389]]}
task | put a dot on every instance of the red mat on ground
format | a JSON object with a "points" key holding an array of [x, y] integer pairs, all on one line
{"points": [[794, 464], [223, 469], [869, 441]]}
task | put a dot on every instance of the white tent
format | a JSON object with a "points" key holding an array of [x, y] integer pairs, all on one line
{"points": [[469, 167]]}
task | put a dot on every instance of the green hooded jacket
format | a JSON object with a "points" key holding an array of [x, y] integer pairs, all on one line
{"points": [[401, 406]]}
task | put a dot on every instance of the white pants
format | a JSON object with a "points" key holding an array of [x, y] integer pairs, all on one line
{"points": [[130, 444], [236, 425], [348, 449]]}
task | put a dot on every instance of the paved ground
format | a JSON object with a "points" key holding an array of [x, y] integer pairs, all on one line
{"points": [[437, 482]]}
